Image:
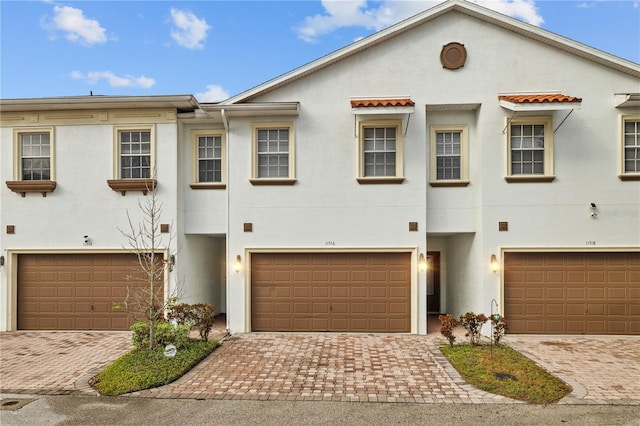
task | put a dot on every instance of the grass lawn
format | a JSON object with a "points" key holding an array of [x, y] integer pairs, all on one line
{"points": [[144, 369], [506, 372]]}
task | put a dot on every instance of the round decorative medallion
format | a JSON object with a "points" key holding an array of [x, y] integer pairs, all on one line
{"points": [[453, 56]]}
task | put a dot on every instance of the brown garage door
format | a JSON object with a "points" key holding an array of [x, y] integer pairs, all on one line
{"points": [[74, 291], [331, 292], [572, 293]]}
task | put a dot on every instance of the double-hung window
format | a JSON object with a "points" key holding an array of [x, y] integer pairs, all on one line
{"points": [[134, 165], [273, 154], [380, 152], [530, 150], [33, 161], [35, 156], [449, 156], [208, 149], [135, 154], [630, 148]]}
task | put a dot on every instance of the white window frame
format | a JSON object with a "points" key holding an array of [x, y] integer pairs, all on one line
{"points": [[17, 149], [255, 178], [195, 159], [623, 174], [547, 175], [464, 155], [117, 168], [399, 175]]}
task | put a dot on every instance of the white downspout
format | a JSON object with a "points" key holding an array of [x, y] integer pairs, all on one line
{"points": [[225, 122]]}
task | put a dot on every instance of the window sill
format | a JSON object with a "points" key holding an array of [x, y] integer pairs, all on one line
{"points": [[380, 180], [529, 179], [449, 183], [272, 181], [23, 186], [627, 177], [208, 186], [124, 185]]}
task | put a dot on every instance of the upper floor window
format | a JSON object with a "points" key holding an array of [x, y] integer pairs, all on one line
{"points": [[630, 148], [380, 152], [35, 156], [134, 165], [449, 156], [135, 154], [273, 154], [208, 160], [530, 150], [33, 161]]}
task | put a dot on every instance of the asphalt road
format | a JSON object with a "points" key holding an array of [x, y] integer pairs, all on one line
{"points": [[88, 410]]}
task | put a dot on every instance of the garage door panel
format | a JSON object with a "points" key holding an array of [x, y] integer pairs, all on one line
{"points": [[399, 309], [617, 293], [616, 309], [590, 292], [345, 291], [575, 276], [282, 275]]}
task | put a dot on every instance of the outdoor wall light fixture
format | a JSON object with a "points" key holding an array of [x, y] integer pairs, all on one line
{"points": [[422, 263], [494, 263], [1, 260], [86, 241], [593, 210], [237, 265], [171, 262]]}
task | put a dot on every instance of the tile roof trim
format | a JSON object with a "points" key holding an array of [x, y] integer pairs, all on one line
{"points": [[381, 102], [540, 98]]}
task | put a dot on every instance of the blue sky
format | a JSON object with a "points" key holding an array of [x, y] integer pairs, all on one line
{"points": [[216, 49]]}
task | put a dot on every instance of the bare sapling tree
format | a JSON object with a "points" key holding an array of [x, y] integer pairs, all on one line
{"points": [[144, 299]]}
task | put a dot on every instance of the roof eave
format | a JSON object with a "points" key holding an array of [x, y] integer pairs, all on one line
{"points": [[179, 102]]}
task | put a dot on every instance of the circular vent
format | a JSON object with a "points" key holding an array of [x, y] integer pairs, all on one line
{"points": [[453, 56]]}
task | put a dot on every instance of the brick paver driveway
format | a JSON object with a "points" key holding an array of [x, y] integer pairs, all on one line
{"points": [[56, 362], [333, 367], [601, 369], [326, 367]]}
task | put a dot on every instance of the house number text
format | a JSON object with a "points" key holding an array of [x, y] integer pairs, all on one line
{"points": [[329, 243], [590, 243]]}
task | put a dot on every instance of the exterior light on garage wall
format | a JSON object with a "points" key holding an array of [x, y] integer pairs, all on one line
{"points": [[237, 265], [494, 263], [422, 263]]}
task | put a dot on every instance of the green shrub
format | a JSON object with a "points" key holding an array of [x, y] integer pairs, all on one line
{"points": [[200, 314], [165, 334]]}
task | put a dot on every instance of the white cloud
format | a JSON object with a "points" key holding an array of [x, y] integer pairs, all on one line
{"points": [[113, 80], [189, 31], [214, 93], [78, 28], [357, 13]]}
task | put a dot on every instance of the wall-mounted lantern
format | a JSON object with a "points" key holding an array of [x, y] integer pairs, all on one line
{"points": [[494, 263], [237, 265], [422, 263]]}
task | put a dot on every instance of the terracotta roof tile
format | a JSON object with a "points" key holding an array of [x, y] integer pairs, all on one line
{"points": [[367, 103], [539, 98]]}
